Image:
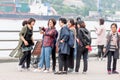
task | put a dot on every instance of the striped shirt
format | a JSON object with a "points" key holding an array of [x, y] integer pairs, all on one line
{"points": [[113, 42]]}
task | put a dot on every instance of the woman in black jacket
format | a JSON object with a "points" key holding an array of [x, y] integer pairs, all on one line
{"points": [[84, 42]]}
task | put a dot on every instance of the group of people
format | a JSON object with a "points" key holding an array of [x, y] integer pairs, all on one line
{"points": [[67, 35], [71, 32]]}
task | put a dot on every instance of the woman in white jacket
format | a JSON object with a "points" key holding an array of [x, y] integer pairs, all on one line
{"points": [[101, 38]]}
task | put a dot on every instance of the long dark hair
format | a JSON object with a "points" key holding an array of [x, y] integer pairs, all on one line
{"points": [[72, 21], [81, 24], [25, 22], [31, 20]]}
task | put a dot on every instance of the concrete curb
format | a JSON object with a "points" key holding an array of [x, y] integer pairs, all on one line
{"points": [[7, 60]]}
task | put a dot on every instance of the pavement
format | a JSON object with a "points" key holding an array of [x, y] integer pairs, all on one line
{"points": [[96, 71]]}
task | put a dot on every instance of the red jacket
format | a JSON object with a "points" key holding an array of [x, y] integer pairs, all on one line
{"points": [[48, 38]]}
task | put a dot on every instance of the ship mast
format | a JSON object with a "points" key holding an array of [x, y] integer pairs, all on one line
{"points": [[99, 7], [17, 4]]}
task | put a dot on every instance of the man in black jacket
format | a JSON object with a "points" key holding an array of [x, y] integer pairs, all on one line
{"points": [[84, 42]]}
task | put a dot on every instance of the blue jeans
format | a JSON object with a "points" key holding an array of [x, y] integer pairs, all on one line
{"points": [[75, 49], [45, 57]]}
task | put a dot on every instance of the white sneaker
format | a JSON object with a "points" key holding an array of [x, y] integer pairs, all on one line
{"points": [[84, 72], [102, 59], [37, 70], [99, 59], [28, 69], [46, 71], [20, 68]]}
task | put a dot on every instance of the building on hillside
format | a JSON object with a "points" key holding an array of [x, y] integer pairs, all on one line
{"points": [[117, 13], [93, 13], [76, 3]]}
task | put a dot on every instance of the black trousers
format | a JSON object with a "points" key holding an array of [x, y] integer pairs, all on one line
{"points": [[100, 51], [110, 55], [81, 51], [26, 58], [71, 59], [53, 58], [63, 62]]}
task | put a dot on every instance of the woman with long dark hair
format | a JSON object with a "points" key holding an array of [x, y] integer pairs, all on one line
{"points": [[84, 42], [71, 26]]}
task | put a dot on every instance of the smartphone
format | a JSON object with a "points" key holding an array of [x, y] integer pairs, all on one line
{"points": [[40, 29]]}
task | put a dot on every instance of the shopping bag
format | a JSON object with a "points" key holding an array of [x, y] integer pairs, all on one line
{"points": [[37, 49]]}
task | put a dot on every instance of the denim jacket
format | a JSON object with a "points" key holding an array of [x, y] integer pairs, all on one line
{"points": [[64, 35]]}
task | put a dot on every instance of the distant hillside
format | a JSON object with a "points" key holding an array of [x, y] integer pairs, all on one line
{"points": [[82, 7]]}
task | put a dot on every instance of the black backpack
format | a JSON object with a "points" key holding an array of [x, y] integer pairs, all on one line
{"points": [[86, 37]]}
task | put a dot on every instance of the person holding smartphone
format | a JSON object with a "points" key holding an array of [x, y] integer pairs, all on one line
{"points": [[49, 35]]}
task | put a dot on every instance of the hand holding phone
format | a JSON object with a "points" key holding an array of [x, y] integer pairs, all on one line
{"points": [[40, 29]]}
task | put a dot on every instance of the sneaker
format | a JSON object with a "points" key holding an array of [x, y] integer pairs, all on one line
{"points": [[58, 72], [27, 69], [115, 72], [70, 70], [103, 59], [20, 68], [99, 59], [54, 71], [46, 71], [64, 72], [109, 72], [84, 72], [37, 70], [76, 70]]}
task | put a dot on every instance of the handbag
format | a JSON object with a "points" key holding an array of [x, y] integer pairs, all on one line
{"points": [[17, 52], [37, 48]]}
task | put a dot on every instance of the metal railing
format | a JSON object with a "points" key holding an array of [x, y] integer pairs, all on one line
{"points": [[16, 40], [11, 40]]}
